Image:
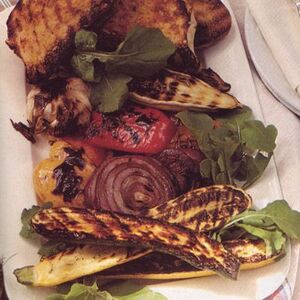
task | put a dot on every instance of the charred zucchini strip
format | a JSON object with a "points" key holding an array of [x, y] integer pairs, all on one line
{"points": [[170, 90], [251, 253], [104, 227], [74, 263], [203, 209]]}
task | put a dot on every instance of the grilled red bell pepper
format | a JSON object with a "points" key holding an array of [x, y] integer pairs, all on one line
{"points": [[133, 129]]}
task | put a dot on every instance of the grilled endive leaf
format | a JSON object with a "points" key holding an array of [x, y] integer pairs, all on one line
{"points": [[170, 90], [251, 254], [104, 227], [203, 209], [74, 263]]}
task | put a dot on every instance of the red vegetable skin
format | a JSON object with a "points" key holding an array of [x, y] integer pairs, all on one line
{"points": [[95, 154], [134, 129]]}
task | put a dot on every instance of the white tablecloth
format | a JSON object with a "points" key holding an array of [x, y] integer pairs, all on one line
{"points": [[287, 153]]}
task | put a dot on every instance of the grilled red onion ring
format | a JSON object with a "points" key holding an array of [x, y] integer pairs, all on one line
{"points": [[129, 184]]}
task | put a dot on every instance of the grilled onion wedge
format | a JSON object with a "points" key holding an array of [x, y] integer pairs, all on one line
{"points": [[161, 266], [171, 90]]}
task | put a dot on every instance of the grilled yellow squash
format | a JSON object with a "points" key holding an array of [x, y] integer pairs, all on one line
{"points": [[74, 263], [110, 228], [175, 91], [127, 263], [251, 254], [201, 210]]}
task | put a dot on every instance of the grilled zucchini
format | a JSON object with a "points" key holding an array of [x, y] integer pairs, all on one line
{"points": [[104, 227], [170, 90], [203, 209], [251, 254]]}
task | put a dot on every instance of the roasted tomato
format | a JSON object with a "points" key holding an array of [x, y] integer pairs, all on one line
{"points": [[134, 129]]}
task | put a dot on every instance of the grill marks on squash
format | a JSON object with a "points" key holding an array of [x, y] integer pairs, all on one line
{"points": [[203, 209], [119, 229]]}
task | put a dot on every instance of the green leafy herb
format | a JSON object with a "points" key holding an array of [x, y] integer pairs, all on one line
{"points": [[143, 52], [27, 231], [270, 224], [123, 291], [274, 239], [111, 92], [237, 150]]}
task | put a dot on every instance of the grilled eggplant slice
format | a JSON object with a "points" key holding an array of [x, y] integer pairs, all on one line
{"points": [[74, 263], [203, 209], [171, 90], [41, 33], [108, 228], [251, 254]]}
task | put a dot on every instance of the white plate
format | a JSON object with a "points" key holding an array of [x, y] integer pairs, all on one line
{"points": [[268, 68], [16, 191]]}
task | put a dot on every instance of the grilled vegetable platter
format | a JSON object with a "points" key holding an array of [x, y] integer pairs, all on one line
{"points": [[150, 156]]}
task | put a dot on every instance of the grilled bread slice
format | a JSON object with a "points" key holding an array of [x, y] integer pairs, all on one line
{"points": [[104, 227], [170, 16], [41, 33], [161, 266], [213, 21], [173, 18]]}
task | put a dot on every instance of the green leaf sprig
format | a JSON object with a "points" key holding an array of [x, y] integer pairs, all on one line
{"points": [[237, 148], [123, 291], [270, 224], [143, 53]]}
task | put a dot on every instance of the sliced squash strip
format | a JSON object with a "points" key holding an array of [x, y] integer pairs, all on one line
{"points": [[74, 263], [175, 91], [203, 209], [161, 266], [108, 228]]}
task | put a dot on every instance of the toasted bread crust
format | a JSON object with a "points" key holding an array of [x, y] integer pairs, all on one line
{"points": [[213, 21], [170, 16], [41, 33]]}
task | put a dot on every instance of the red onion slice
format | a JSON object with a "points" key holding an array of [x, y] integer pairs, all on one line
{"points": [[129, 184]]}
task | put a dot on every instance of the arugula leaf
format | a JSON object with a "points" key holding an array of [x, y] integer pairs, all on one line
{"points": [[257, 136], [123, 291], [111, 92], [27, 231], [237, 152], [86, 40], [274, 239], [143, 52], [129, 291]]}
